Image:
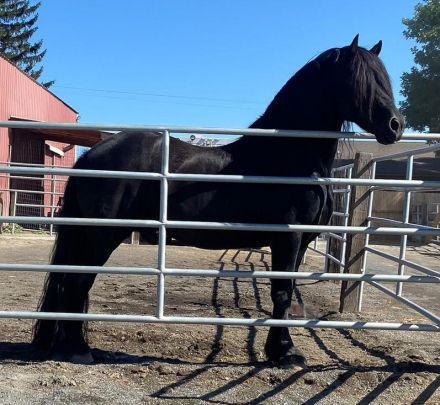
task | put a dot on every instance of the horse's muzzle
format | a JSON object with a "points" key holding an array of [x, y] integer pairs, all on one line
{"points": [[393, 131], [396, 128]]}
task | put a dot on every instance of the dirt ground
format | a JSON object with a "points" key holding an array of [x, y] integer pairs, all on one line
{"points": [[178, 364]]}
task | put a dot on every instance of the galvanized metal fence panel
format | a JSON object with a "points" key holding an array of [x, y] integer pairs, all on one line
{"points": [[161, 272]]}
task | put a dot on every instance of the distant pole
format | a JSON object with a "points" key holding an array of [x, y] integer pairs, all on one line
{"points": [[14, 209]]}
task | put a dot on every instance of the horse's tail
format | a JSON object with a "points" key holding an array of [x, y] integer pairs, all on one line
{"points": [[67, 238]]}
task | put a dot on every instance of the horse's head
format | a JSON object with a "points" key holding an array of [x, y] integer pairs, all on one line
{"points": [[364, 90]]}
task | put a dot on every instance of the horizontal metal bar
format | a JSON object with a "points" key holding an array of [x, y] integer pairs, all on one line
{"points": [[40, 179], [186, 130], [407, 302], [78, 269], [37, 206], [29, 191], [137, 223], [400, 223], [83, 173], [420, 151], [330, 257], [316, 250], [218, 321], [342, 168], [334, 260], [385, 221], [302, 275], [397, 189], [405, 262], [215, 273], [338, 237], [83, 221], [301, 228], [221, 178], [202, 130], [31, 164], [341, 190], [340, 214], [301, 180]]}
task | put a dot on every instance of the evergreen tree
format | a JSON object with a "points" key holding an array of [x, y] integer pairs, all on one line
{"points": [[421, 86], [17, 25]]}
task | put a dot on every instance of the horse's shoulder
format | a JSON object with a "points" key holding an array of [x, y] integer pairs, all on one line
{"points": [[317, 202]]}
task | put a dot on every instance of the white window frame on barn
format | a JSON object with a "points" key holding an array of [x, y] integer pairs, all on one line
{"points": [[341, 232]]}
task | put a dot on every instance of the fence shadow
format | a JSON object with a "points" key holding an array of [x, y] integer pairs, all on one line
{"points": [[394, 368], [180, 390]]}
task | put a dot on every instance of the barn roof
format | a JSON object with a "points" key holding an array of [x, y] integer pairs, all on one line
{"points": [[74, 137], [39, 84], [69, 136]]}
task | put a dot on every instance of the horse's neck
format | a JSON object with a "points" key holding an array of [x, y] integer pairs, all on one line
{"points": [[308, 109]]}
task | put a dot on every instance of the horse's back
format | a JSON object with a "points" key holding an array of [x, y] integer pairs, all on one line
{"points": [[131, 151], [136, 152]]}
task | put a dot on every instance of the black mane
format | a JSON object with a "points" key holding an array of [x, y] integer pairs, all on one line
{"points": [[366, 75], [370, 79]]}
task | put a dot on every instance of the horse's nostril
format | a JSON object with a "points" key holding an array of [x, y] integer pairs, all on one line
{"points": [[394, 125]]}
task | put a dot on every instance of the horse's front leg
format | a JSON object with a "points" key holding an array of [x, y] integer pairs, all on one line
{"points": [[279, 345]]}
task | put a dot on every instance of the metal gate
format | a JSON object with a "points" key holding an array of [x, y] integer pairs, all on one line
{"points": [[162, 272], [28, 196]]}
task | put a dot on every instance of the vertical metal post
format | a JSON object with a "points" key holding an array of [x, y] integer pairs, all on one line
{"points": [[304, 259], [52, 201], [367, 236], [160, 302], [9, 177], [436, 217], [327, 252], [328, 240], [14, 210], [406, 207], [345, 221]]}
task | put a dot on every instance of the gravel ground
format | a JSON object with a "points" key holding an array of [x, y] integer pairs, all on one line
{"points": [[149, 364]]}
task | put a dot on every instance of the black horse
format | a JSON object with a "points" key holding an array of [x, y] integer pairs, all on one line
{"points": [[348, 84]]}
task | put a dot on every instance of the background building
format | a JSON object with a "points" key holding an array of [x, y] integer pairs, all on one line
{"points": [[22, 98]]}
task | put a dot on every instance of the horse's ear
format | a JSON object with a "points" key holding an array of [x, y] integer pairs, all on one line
{"points": [[354, 44], [377, 48]]}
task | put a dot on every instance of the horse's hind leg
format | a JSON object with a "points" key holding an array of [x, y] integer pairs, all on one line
{"points": [[68, 292], [279, 346], [69, 339]]}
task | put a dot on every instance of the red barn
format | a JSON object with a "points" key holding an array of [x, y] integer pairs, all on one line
{"points": [[22, 98]]}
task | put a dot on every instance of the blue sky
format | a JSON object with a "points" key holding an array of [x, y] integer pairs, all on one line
{"points": [[206, 63]]}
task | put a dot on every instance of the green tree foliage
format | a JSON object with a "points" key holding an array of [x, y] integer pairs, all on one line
{"points": [[421, 86], [17, 25]]}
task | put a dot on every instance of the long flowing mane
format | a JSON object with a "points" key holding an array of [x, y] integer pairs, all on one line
{"points": [[370, 79], [365, 74]]}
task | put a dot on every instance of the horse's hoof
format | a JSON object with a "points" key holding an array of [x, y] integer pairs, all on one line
{"points": [[76, 358], [292, 358], [85, 358]]}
